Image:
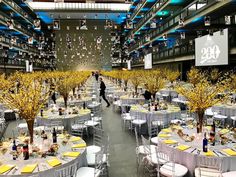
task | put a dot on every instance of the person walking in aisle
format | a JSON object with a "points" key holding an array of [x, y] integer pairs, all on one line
{"points": [[96, 76], [102, 92]]}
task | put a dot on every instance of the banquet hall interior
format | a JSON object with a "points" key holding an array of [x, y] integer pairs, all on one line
{"points": [[117, 88]]}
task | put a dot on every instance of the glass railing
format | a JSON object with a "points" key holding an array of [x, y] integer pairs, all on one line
{"points": [[173, 21], [17, 26], [18, 9]]}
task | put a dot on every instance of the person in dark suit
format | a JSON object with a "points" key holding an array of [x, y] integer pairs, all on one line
{"points": [[96, 76], [147, 95], [102, 92]]}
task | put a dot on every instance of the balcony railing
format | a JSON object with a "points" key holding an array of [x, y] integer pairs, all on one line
{"points": [[173, 21]]}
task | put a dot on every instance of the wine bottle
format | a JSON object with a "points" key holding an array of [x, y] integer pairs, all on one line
{"points": [[14, 150], [41, 112], [26, 151], [204, 143], [54, 136], [84, 105], [156, 107], [212, 133]]}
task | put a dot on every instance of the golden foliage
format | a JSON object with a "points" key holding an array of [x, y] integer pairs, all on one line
{"points": [[195, 76]]}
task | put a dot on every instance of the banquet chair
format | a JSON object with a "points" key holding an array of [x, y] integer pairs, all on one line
{"points": [[208, 167], [78, 128], [172, 169], [57, 124], [66, 171], [138, 122], [148, 151], [99, 138], [93, 171], [126, 118], [229, 174]]}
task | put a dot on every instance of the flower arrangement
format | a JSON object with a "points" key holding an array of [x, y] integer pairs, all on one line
{"points": [[202, 94]]}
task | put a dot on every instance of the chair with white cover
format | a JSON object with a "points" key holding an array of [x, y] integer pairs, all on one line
{"points": [[66, 171], [92, 171], [229, 174], [172, 169], [208, 167]]}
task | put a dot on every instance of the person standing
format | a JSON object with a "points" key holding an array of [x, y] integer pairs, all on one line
{"points": [[96, 76], [102, 92]]}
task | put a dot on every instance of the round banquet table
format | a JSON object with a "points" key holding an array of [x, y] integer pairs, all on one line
{"points": [[227, 110], [165, 116], [67, 119], [126, 100], [76, 102], [43, 169], [189, 156]]}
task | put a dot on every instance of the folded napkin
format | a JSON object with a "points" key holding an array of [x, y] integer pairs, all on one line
{"points": [[229, 152], [166, 130], [162, 135], [54, 162], [183, 147], [71, 154], [82, 145], [209, 153], [170, 141], [224, 131], [29, 168], [5, 168], [73, 139], [61, 136]]}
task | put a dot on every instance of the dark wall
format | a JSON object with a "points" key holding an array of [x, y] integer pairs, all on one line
{"points": [[83, 53]]}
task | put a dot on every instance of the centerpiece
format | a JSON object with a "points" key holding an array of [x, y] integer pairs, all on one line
{"points": [[202, 94]]}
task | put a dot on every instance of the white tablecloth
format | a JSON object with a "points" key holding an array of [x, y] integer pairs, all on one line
{"points": [[189, 158], [129, 100], [163, 115], [227, 110], [67, 120], [43, 169]]}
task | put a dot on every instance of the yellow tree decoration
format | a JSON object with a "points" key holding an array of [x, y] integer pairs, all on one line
{"points": [[154, 81], [136, 79], [172, 75], [201, 96], [195, 76], [30, 97]]}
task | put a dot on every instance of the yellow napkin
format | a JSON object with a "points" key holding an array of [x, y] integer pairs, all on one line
{"points": [[82, 145], [29, 168], [166, 130], [73, 139], [54, 162], [224, 131], [183, 147], [229, 152], [71, 154], [209, 153], [162, 135], [190, 126], [177, 127], [170, 141], [61, 136], [5, 168], [208, 128]]}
